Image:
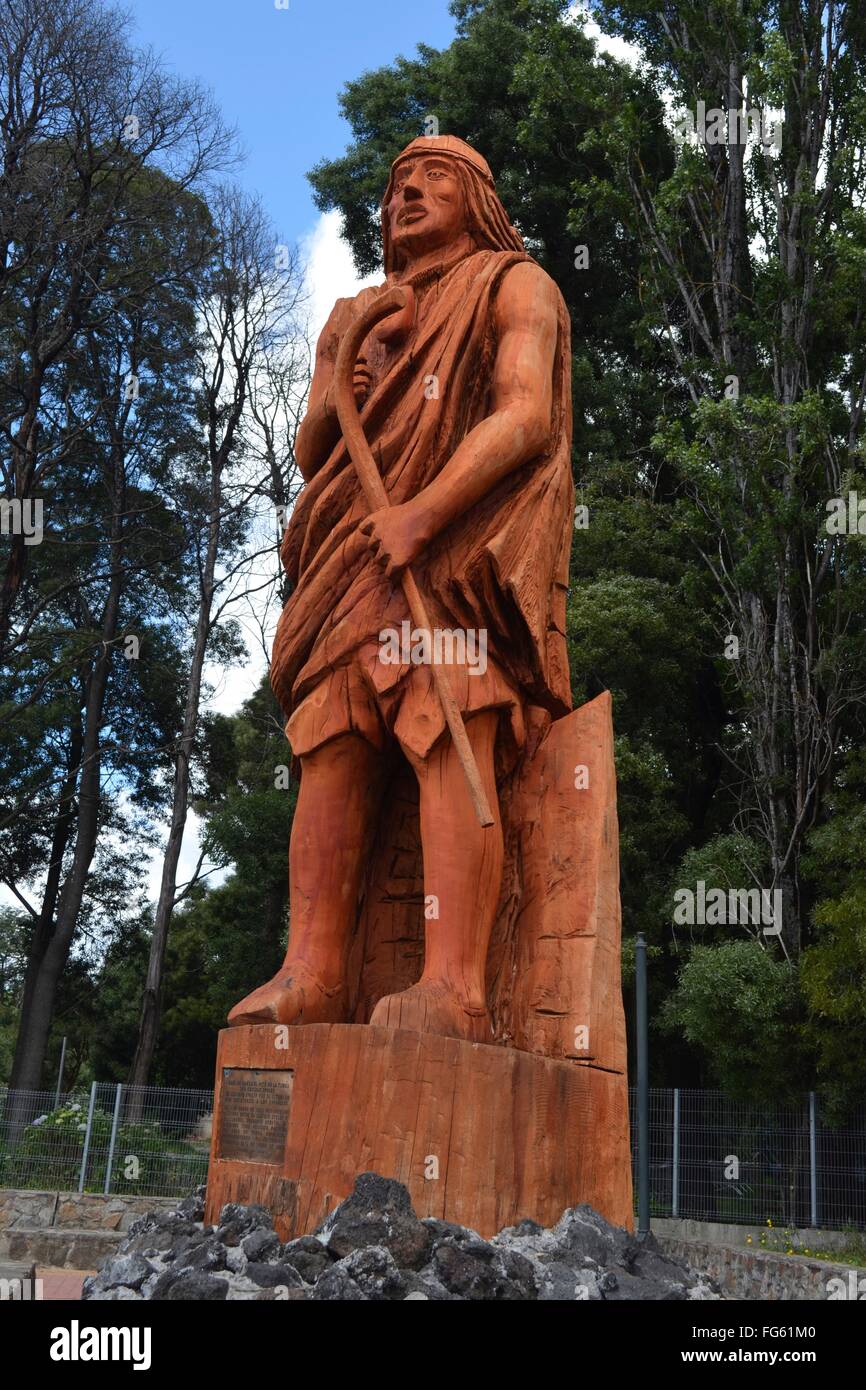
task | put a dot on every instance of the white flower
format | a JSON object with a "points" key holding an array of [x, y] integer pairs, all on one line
{"points": [[41, 1120], [81, 1127]]}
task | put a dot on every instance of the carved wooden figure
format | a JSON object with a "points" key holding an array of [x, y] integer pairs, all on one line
{"points": [[454, 856]]}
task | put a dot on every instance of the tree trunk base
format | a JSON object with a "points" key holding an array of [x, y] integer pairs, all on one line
{"points": [[481, 1135]]}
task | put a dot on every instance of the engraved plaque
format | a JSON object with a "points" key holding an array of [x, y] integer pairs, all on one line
{"points": [[254, 1114]]}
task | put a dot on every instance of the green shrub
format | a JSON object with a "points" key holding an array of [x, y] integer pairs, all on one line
{"points": [[146, 1160]]}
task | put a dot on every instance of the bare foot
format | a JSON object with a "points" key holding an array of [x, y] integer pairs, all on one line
{"points": [[433, 1007], [295, 995]]}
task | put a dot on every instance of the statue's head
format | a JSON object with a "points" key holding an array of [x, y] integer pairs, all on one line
{"points": [[441, 189]]}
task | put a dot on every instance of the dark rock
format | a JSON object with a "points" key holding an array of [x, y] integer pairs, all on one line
{"points": [[558, 1283], [236, 1222], [631, 1287], [378, 1212], [125, 1271], [425, 1283], [337, 1286], [281, 1295], [309, 1257], [375, 1273], [169, 1221], [373, 1248], [262, 1245], [273, 1276], [164, 1283], [151, 1242], [472, 1278], [188, 1243], [446, 1231], [581, 1233], [192, 1208], [517, 1269], [527, 1227], [209, 1254], [191, 1286], [652, 1263]]}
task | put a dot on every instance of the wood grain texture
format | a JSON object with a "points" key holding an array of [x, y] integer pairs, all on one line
{"points": [[554, 958], [489, 1036], [514, 1134]]}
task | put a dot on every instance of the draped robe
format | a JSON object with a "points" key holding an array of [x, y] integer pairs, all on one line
{"points": [[500, 568]]}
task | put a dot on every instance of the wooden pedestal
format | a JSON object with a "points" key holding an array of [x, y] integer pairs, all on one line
{"points": [[482, 1135]]}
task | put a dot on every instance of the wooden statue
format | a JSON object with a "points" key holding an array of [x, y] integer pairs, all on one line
{"points": [[454, 856]]}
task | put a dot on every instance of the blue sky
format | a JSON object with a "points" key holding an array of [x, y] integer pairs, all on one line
{"points": [[277, 74]]}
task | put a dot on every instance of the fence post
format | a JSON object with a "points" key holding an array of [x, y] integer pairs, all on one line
{"points": [[87, 1136], [675, 1182], [113, 1138], [60, 1074], [813, 1157], [643, 1130]]}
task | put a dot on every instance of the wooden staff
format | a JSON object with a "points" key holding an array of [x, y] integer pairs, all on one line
{"points": [[392, 301]]}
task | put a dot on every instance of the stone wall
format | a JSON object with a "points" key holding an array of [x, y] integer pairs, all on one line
{"points": [[765, 1275], [67, 1230], [734, 1235]]}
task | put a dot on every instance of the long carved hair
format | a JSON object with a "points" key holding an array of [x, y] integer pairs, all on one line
{"points": [[488, 222]]}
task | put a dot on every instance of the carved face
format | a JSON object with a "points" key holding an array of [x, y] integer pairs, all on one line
{"points": [[426, 207]]}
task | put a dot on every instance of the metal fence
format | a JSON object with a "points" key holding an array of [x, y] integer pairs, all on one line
{"points": [[714, 1159], [711, 1158], [137, 1140]]}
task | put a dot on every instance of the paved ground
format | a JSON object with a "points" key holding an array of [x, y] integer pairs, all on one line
{"points": [[62, 1283], [56, 1284]]}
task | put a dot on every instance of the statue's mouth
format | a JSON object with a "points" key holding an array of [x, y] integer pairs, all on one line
{"points": [[411, 215]]}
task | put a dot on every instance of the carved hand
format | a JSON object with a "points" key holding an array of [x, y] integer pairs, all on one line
{"points": [[362, 382], [397, 535]]}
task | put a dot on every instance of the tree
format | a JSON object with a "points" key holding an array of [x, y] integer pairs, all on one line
{"points": [[222, 938], [745, 251], [82, 115], [117, 565], [249, 308]]}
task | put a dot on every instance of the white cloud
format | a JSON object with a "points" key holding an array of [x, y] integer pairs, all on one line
{"points": [[330, 270], [618, 48]]}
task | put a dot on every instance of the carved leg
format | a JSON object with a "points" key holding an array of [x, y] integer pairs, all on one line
{"points": [[341, 786], [462, 879]]}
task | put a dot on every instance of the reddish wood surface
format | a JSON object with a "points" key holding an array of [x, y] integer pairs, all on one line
{"points": [[464, 443], [450, 988], [515, 1134], [554, 960], [376, 497]]}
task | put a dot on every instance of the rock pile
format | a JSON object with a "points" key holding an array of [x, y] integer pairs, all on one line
{"points": [[374, 1248]]}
